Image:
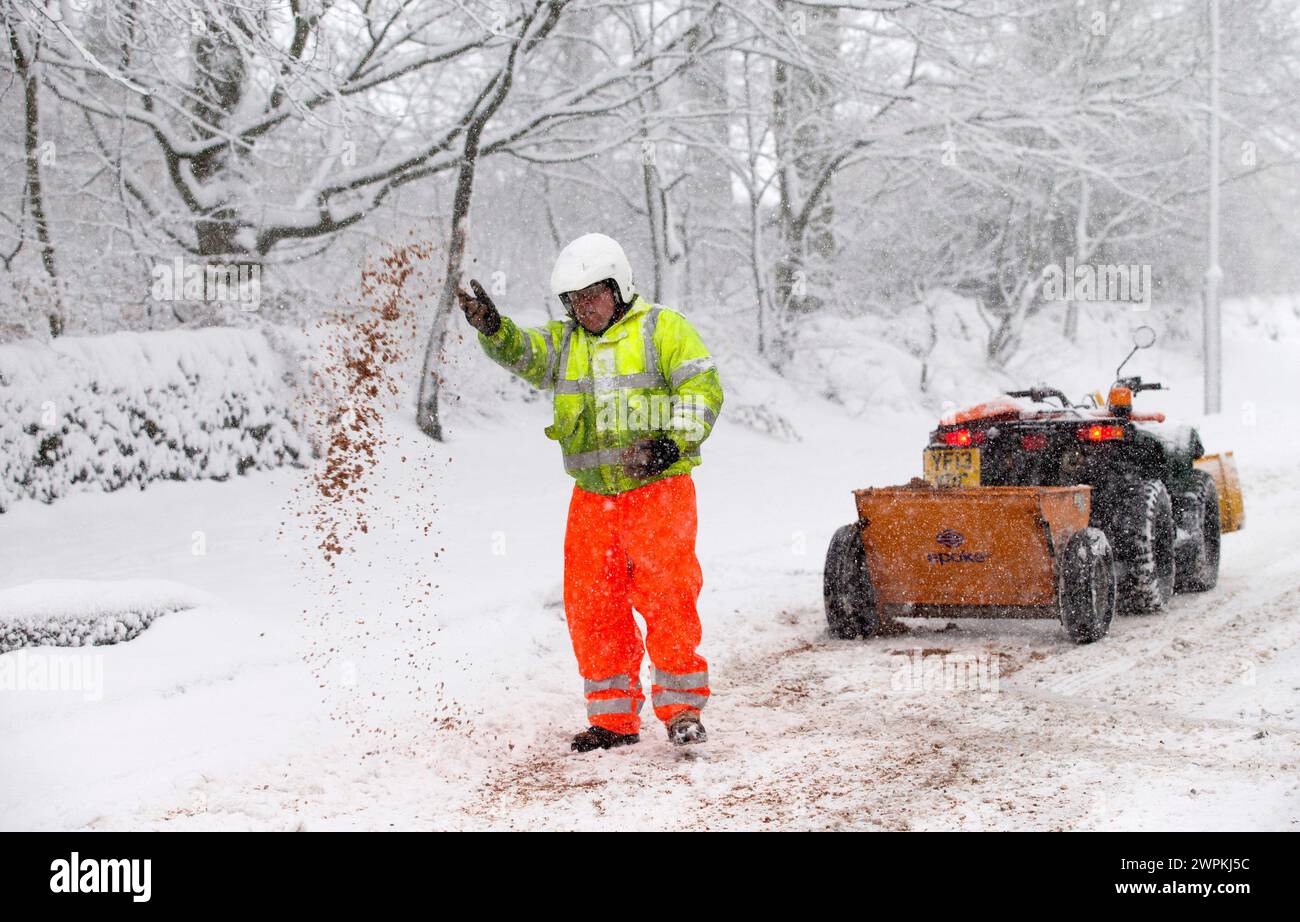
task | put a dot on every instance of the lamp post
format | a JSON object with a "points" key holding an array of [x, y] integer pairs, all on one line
{"points": [[1213, 272]]}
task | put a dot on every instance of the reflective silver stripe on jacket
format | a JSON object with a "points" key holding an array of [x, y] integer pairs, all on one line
{"points": [[651, 351], [584, 460], [681, 681], [562, 367], [692, 414], [702, 410], [526, 357], [548, 380], [608, 383], [693, 699], [650, 378], [687, 370]]}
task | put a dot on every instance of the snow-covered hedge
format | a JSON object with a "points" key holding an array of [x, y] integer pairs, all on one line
{"points": [[83, 613], [73, 631], [102, 412]]}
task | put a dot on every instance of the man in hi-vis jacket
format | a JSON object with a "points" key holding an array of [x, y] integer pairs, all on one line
{"points": [[636, 393]]}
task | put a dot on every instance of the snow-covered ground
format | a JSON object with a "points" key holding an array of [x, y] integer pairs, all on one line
{"points": [[426, 681]]}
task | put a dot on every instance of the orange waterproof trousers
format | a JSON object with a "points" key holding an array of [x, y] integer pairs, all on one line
{"points": [[635, 549]]}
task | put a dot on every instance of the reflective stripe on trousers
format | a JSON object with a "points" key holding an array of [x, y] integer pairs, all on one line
{"points": [[619, 704], [670, 688]]}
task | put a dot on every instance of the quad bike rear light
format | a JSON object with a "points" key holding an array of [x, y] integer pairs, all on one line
{"points": [[1100, 433], [963, 438]]}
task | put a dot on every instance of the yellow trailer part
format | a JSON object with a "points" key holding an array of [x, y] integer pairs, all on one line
{"points": [[1223, 469]]}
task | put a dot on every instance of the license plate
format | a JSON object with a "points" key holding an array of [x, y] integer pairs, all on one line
{"points": [[953, 467]]}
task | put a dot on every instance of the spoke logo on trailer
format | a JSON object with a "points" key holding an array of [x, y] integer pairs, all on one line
{"points": [[950, 539], [953, 540]]}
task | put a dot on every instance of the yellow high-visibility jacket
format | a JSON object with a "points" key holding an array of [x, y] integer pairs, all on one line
{"points": [[648, 375]]}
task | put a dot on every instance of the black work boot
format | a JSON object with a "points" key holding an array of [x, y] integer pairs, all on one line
{"points": [[600, 738], [686, 728]]}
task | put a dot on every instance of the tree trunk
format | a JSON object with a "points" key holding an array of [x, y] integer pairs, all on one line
{"points": [[426, 408], [802, 132], [665, 242], [1081, 254], [426, 411], [220, 76], [31, 142], [1006, 338], [706, 204]]}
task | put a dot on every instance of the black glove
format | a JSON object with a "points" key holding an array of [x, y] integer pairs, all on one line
{"points": [[479, 310], [649, 457]]}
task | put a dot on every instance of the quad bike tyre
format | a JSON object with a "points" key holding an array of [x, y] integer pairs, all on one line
{"points": [[1141, 533], [846, 587], [1086, 585], [1197, 565]]}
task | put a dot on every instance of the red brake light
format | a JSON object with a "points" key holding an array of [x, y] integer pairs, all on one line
{"points": [[1101, 433], [960, 438], [1035, 442]]}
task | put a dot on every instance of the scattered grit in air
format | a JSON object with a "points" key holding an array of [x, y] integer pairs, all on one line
{"points": [[361, 374], [357, 385]]}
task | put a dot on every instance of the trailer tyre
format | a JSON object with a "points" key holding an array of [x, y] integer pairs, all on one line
{"points": [[846, 587], [1086, 585], [1197, 568], [1141, 534]]}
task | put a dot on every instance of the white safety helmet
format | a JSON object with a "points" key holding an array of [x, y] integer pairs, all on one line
{"points": [[591, 259]]}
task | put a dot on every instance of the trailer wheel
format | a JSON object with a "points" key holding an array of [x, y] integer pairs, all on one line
{"points": [[1141, 533], [1086, 585], [1197, 568], [846, 587]]}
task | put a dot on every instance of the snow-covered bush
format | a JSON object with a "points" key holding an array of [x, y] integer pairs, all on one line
{"points": [[75, 631], [83, 613], [102, 412]]}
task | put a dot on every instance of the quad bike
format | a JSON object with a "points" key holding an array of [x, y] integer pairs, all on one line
{"points": [[1055, 510]]}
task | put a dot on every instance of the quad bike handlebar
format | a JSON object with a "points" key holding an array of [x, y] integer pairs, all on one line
{"points": [[1042, 394], [1136, 385], [1143, 338]]}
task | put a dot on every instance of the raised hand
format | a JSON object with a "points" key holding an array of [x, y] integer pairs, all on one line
{"points": [[479, 310]]}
